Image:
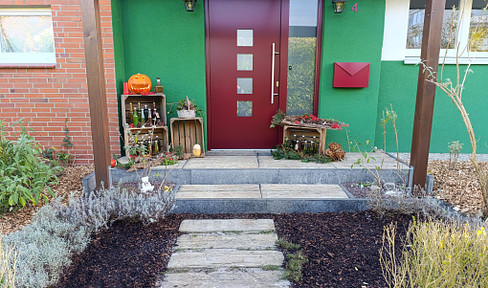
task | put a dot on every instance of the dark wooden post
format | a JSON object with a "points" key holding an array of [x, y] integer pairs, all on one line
{"points": [[424, 107], [90, 15]]}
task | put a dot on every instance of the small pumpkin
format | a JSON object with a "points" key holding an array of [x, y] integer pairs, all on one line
{"points": [[139, 83]]}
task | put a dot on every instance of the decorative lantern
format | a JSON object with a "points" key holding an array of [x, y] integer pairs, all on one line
{"points": [[139, 83], [190, 5], [338, 5], [197, 150]]}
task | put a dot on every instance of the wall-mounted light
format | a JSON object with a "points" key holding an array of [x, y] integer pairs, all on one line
{"points": [[338, 5], [190, 5]]}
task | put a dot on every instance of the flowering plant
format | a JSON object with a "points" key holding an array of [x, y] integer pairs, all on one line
{"points": [[306, 120]]}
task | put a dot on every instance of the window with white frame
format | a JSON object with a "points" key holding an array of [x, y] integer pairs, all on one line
{"points": [[26, 36], [466, 24]]}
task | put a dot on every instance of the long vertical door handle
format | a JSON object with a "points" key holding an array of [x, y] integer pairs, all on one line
{"points": [[273, 53]]}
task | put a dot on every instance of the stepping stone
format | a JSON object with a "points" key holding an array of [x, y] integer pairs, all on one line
{"points": [[218, 191], [244, 278], [227, 225], [219, 258], [222, 253], [264, 241], [302, 191]]}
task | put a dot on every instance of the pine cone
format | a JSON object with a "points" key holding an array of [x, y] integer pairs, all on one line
{"points": [[334, 146], [340, 154], [330, 154]]}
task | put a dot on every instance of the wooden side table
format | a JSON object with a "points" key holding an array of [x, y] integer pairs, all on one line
{"points": [[186, 132]]}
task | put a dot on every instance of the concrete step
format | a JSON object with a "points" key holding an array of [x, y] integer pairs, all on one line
{"points": [[263, 191], [264, 241], [226, 253], [250, 167], [227, 225], [225, 278], [224, 258]]}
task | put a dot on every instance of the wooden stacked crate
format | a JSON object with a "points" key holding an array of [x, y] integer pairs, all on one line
{"points": [[161, 131], [186, 132]]}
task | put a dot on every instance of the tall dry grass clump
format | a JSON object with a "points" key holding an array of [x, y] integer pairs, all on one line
{"points": [[436, 254], [8, 258]]}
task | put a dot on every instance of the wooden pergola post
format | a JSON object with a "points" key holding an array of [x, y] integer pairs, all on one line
{"points": [[424, 107], [90, 15]]}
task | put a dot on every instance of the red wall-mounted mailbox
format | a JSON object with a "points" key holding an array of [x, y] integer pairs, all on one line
{"points": [[351, 75]]}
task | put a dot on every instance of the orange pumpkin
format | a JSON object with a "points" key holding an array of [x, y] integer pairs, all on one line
{"points": [[139, 83]]}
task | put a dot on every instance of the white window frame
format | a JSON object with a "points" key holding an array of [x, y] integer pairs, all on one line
{"points": [[27, 58], [396, 30]]}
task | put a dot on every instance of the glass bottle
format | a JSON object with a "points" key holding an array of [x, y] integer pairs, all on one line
{"points": [[135, 117], [158, 88], [296, 146], [156, 145], [139, 110], [154, 115], [148, 113], [149, 147], [142, 119], [129, 114]]}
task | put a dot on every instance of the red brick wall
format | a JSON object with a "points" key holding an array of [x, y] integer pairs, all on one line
{"points": [[46, 96]]}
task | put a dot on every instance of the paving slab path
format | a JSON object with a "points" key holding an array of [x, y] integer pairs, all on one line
{"points": [[221, 253]]}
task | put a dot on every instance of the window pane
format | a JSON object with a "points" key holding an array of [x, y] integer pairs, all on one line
{"points": [[478, 30], [245, 37], [416, 24], [244, 108], [244, 62], [302, 45], [26, 34], [244, 85]]}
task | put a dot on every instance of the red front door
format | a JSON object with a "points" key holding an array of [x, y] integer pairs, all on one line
{"points": [[241, 35]]}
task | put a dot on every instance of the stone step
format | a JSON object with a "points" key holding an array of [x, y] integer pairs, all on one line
{"points": [[224, 278], [227, 225], [218, 191], [220, 258], [265, 241], [263, 191]]}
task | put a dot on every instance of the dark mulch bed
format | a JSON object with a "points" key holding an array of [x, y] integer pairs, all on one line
{"points": [[342, 249]]}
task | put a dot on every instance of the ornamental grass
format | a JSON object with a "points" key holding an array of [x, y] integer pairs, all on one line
{"points": [[436, 254]]}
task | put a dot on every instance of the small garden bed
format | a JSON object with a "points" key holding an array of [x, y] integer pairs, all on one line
{"points": [[342, 249]]}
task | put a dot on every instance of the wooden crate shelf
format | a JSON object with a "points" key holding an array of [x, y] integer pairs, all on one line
{"points": [[186, 132], [289, 132], [160, 131], [159, 99]]}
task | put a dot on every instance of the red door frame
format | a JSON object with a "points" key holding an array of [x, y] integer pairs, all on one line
{"points": [[285, 9]]}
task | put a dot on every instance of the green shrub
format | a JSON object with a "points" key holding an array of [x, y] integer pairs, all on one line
{"points": [[45, 247], [436, 254], [24, 176]]}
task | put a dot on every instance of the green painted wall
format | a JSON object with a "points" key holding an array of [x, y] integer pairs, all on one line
{"points": [[352, 37], [399, 88], [160, 39]]}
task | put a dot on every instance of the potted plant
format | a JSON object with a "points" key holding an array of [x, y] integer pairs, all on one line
{"points": [[185, 108]]}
